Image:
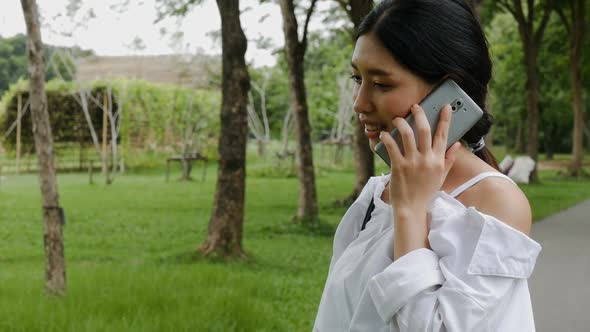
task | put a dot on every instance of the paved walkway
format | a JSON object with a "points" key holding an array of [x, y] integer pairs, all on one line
{"points": [[560, 284]]}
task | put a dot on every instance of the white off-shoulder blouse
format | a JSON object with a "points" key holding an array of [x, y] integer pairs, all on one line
{"points": [[473, 279]]}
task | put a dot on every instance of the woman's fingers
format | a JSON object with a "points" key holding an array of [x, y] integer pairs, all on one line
{"points": [[391, 146], [426, 142], [423, 129], [407, 135], [441, 135]]}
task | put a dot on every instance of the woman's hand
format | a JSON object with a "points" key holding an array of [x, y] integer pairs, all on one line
{"points": [[417, 175]]}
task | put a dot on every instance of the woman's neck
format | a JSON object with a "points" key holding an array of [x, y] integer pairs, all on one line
{"points": [[466, 166]]}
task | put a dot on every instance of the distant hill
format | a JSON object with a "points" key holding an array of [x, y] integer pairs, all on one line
{"points": [[190, 71]]}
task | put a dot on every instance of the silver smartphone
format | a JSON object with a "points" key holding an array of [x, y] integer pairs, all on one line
{"points": [[465, 114]]}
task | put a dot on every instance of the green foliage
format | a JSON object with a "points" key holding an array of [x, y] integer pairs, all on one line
{"points": [[271, 166], [507, 97], [14, 63], [13, 60], [555, 96], [277, 93], [158, 116], [327, 61], [509, 79], [171, 8], [153, 116], [487, 12], [68, 124]]}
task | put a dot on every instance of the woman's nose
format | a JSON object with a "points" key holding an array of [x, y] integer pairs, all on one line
{"points": [[361, 101]]}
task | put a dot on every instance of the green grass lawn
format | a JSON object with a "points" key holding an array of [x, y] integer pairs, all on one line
{"points": [[130, 263]]}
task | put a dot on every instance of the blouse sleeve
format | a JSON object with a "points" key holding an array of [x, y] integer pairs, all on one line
{"points": [[472, 267]]}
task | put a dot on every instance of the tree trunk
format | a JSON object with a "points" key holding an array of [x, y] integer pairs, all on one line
{"points": [[519, 143], [363, 156], [532, 105], [53, 215], [226, 224], [295, 52], [548, 152], [186, 169], [105, 153], [548, 138], [115, 120], [531, 35], [577, 38], [261, 148], [18, 131]]}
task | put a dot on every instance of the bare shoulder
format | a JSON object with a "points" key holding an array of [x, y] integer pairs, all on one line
{"points": [[500, 198]]}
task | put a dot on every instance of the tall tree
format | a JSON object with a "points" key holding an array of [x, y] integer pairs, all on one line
{"points": [[227, 218], [53, 215], [225, 226], [295, 53], [530, 37], [572, 15], [363, 156]]}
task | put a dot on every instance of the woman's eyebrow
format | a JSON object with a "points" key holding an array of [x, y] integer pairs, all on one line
{"points": [[373, 71]]}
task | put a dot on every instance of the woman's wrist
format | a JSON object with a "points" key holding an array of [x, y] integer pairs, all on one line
{"points": [[407, 213], [411, 231]]}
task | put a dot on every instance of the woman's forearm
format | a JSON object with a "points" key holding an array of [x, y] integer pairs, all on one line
{"points": [[410, 231]]}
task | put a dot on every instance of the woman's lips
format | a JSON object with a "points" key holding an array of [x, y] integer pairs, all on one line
{"points": [[372, 131]]}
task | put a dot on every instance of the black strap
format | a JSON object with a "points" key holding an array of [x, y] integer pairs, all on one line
{"points": [[368, 214]]}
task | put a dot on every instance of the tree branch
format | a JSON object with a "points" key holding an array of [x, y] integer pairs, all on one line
{"points": [[524, 29], [577, 13], [564, 19], [306, 26], [520, 18], [504, 4], [168, 8], [546, 14]]}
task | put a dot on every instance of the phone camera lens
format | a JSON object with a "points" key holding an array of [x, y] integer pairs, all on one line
{"points": [[458, 103], [454, 108]]}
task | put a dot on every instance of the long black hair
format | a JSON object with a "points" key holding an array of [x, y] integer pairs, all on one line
{"points": [[435, 39]]}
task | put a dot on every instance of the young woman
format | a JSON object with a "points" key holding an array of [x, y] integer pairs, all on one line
{"points": [[441, 244]]}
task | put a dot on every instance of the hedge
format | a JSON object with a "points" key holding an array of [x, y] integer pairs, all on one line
{"points": [[153, 116]]}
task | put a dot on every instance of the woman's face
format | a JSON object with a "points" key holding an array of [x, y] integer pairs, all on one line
{"points": [[383, 89]]}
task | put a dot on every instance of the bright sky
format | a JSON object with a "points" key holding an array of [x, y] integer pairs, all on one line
{"points": [[112, 33]]}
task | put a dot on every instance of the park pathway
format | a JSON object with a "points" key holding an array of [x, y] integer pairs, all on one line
{"points": [[560, 284]]}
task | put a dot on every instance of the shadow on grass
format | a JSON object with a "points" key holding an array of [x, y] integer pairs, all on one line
{"points": [[565, 175], [195, 256], [321, 229], [21, 259], [251, 262]]}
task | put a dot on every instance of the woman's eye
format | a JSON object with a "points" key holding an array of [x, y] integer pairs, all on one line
{"points": [[356, 78], [381, 86]]}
